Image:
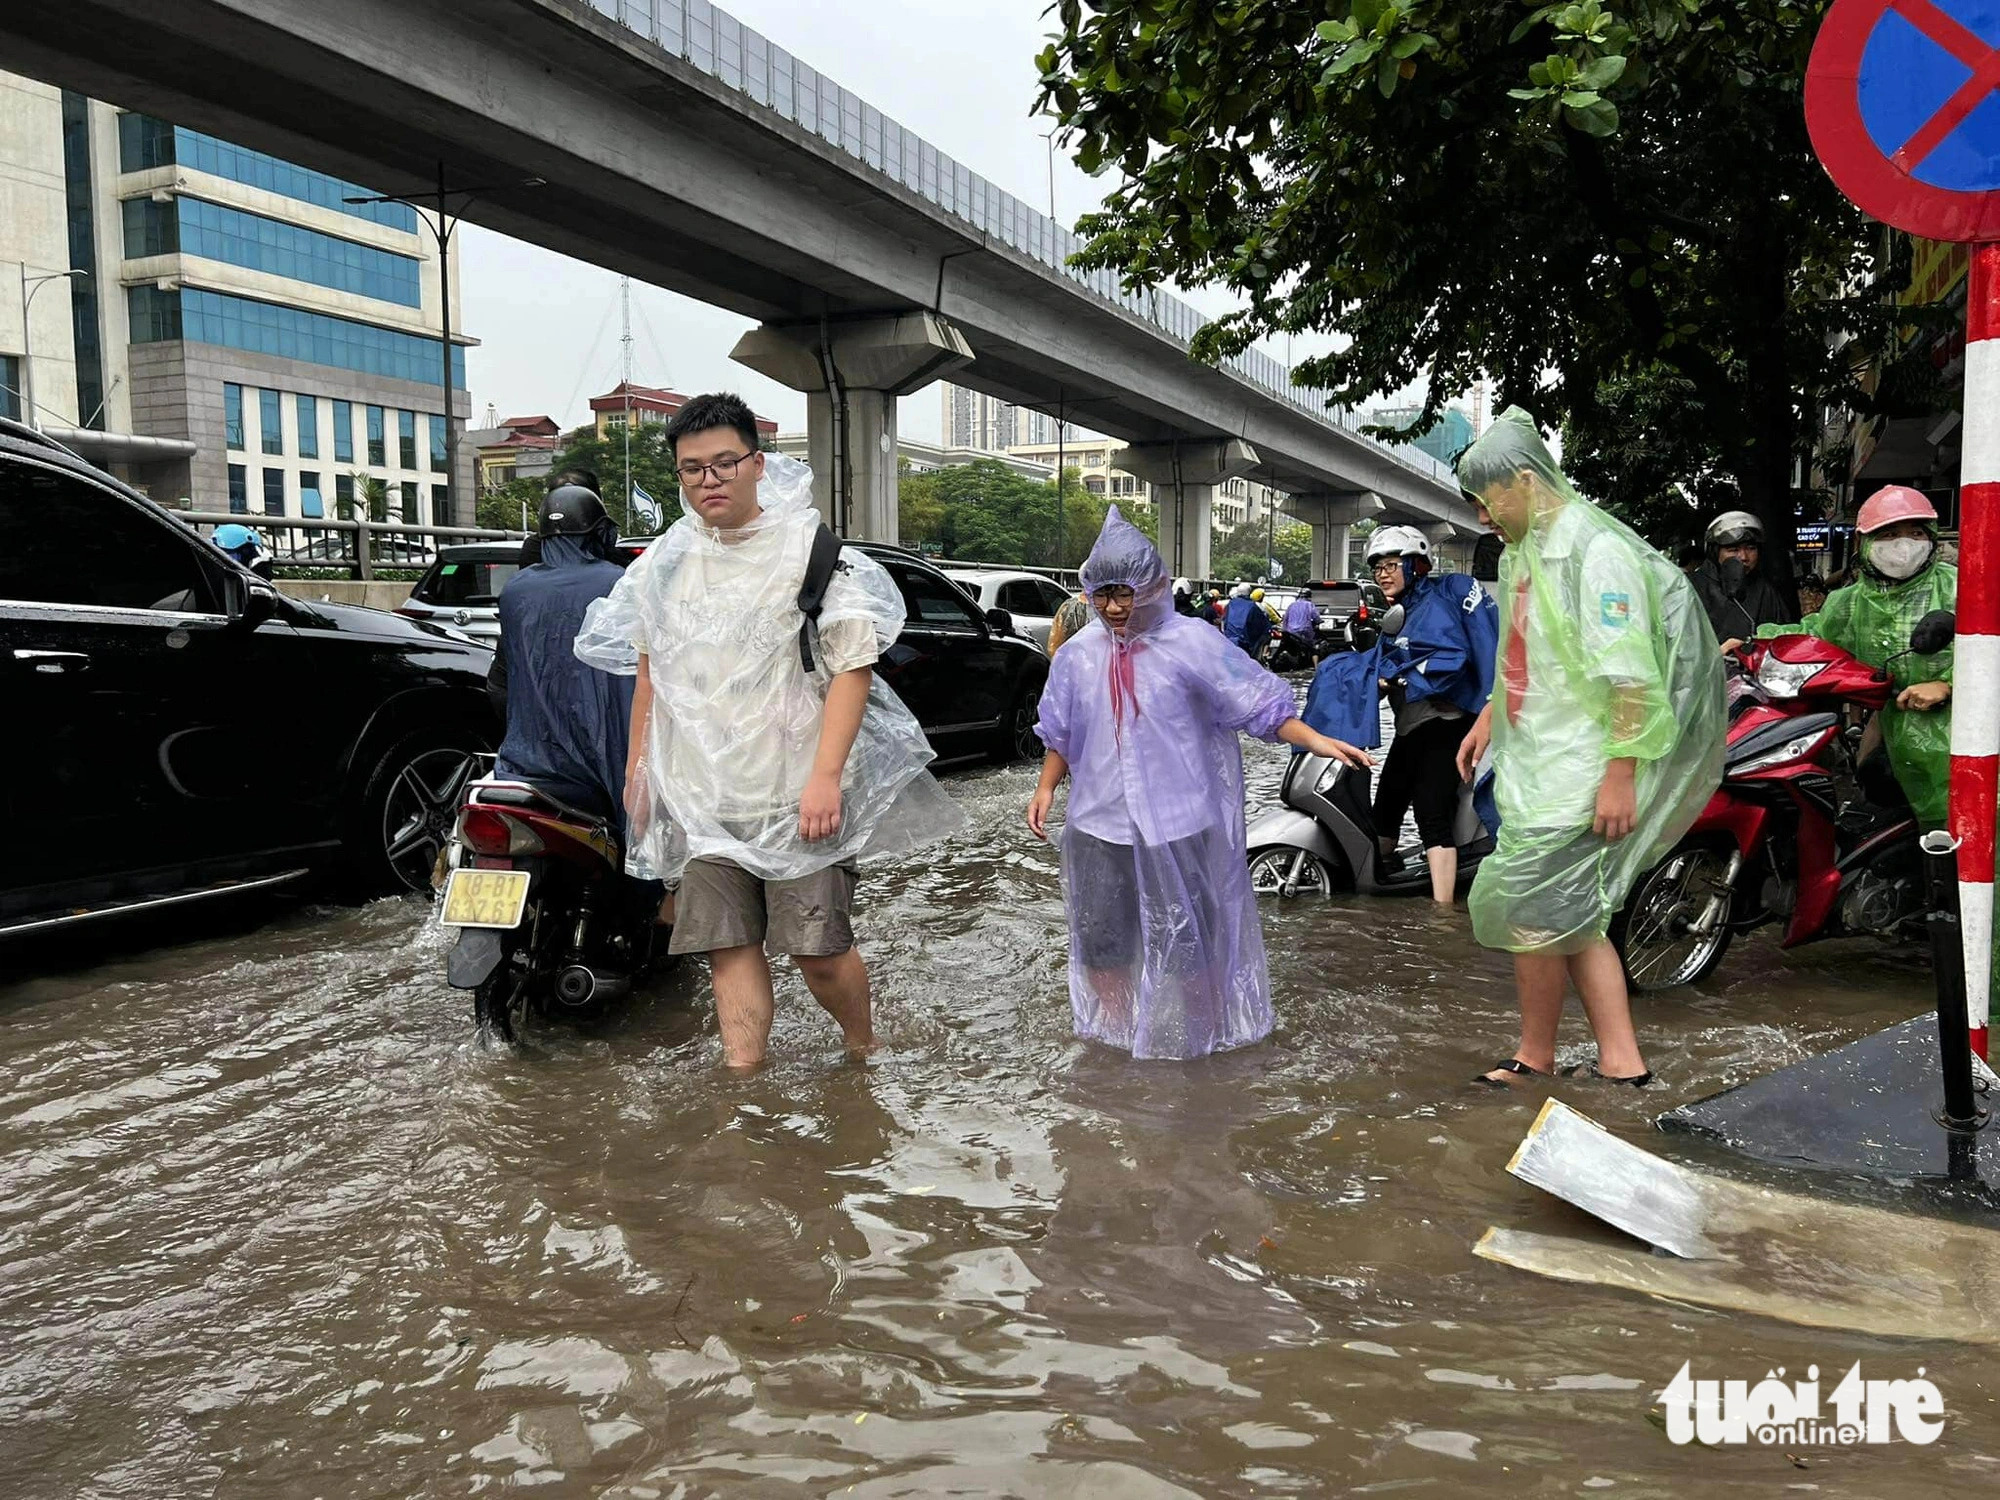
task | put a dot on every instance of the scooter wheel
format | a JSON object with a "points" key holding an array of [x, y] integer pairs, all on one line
{"points": [[1280, 870], [494, 1002]]}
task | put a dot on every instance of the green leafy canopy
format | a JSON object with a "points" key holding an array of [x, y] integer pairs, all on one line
{"points": [[1609, 208]]}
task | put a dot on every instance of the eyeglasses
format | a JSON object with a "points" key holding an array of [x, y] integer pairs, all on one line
{"points": [[1387, 565], [1112, 593], [724, 470]]}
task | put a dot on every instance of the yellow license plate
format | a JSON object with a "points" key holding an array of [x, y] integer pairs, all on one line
{"points": [[485, 898]]}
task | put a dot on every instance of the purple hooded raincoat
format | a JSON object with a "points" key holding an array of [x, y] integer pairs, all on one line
{"points": [[1166, 957]]}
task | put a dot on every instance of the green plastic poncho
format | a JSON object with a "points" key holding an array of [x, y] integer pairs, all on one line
{"points": [[1873, 619], [1605, 653]]}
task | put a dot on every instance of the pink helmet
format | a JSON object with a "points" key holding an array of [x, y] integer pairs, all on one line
{"points": [[1893, 503]]}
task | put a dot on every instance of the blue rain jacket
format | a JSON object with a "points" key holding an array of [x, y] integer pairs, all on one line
{"points": [[568, 724], [1345, 699], [1450, 641], [1245, 623]]}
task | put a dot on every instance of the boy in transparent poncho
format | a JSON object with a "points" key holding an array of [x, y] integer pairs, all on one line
{"points": [[1606, 723], [754, 782], [1142, 712]]}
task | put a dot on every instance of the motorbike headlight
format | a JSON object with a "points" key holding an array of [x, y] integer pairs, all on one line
{"points": [[1329, 777], [1791, 750], [1786, 679]]}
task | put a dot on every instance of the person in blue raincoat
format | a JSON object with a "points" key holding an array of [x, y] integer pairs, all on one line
{"points": [[568, 724], [1245, 622], [1437, 674]]}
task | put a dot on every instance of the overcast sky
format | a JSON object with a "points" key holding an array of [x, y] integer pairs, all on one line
{"points": [[959, 72]]}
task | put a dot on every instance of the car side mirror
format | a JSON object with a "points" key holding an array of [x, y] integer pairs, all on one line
{"points": [[247, 600], [1000, 622], [1934, 632]]}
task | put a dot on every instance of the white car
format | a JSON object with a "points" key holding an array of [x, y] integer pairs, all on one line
{"points": [[1030, 598]]}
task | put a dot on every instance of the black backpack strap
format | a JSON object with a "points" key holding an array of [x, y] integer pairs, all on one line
{"points": [[820, 568]]}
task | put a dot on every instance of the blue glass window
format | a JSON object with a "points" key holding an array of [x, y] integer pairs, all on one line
{"points": [[260, 244], [239, 490], [274, 492], [150, 228], [406, 429], [308, 427], [378, 452], [440, 504], [343, 432], [144, 142], [343, 497], [437, 444], [311, 505], [232, 417], [289, 332], [271, 421], [10, 386]]}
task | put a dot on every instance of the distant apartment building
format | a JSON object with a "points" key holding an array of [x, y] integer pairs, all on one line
{"points": [[975, 420], [1095, 458], [1452, 435], [518, 448], [242, 336], [925, 458], [647, 406]]}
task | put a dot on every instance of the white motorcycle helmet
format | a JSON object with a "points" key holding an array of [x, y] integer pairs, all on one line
{"points": [[1397, 541]]}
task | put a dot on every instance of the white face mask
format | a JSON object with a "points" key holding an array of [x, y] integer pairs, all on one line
{"points": [[1902, 558]]}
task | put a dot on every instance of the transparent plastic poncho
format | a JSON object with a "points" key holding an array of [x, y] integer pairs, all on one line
{"points": [[1605, 653], [1166, 956], [735, 720], [1873, 619]]}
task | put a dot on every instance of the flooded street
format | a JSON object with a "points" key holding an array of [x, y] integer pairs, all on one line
{"points": [[274, 1224]]}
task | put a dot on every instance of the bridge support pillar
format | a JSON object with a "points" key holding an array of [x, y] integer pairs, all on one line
{"points": [[852, 373], [1332, 515], [1184, 474]]}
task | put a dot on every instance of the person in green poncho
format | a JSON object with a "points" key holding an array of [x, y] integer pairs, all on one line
{"points": [[1902, 580], [1606, 724]]}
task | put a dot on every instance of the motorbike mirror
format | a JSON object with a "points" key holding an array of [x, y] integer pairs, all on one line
{"points": [[1391, 620], [1934, 632]]}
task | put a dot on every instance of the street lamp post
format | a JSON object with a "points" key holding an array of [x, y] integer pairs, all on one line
{"points": [[30, 285], [448, 219]]}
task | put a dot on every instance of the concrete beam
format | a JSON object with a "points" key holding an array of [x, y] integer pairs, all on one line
{"points": [[898, 354], [1204, 461], [851, 373]]}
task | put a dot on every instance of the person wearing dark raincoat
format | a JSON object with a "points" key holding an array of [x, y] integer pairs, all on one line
{"points": [[1731, 582], [1606, 724], [1245, 622], [567, 723], [1141, 713]]}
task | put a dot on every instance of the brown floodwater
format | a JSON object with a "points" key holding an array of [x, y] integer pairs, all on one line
{"points": [[273, 1223]]}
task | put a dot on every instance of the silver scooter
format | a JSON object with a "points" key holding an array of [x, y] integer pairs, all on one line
{"points": [[1322, 836]]}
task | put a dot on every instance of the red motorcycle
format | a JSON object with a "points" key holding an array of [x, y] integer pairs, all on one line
{"points": [[1789, 837]]}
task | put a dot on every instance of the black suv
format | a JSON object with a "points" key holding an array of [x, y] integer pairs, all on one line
{"points": [[177, 729], [973, 680]]}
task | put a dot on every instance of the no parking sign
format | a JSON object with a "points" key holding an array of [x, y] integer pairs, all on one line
{"points": [[1903, 105]]}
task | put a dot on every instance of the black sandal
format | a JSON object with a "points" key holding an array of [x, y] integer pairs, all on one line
{"points": [[1511, 1065], [1637, 1080]]}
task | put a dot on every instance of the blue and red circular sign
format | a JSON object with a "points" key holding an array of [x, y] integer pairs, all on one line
{"points": [[1903, 104]]}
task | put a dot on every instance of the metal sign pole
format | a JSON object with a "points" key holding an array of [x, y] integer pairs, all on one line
{"points": [[1975, 719]]}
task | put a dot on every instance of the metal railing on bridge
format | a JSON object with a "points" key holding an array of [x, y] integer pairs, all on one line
{"points": [[357, 549], [727, 50]]}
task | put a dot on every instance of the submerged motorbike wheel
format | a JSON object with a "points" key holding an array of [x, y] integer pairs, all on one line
{"points": [[1655, 932], [497, 1000], [1281, 870]]}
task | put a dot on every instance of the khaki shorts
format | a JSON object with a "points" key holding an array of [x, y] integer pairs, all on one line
{"points": [[721, 905]]}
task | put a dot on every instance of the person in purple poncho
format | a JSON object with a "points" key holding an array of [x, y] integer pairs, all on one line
{"points": [[1142, 712]]}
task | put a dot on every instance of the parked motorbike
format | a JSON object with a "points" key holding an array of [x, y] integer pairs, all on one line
{"points": [[545, 914], [1322, 835], [1789, 837], [1290, 653]]}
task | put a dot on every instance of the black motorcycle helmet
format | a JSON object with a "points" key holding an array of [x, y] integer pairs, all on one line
{"points": [[571, 510]]}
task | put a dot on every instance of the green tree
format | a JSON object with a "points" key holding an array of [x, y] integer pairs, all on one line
{"points": [[1239, 551], [1611, 210], [512, 506], [652, 469], [986, 512]]}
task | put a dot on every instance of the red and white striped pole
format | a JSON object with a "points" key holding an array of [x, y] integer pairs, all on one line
{"points": [[1975, 716]]}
